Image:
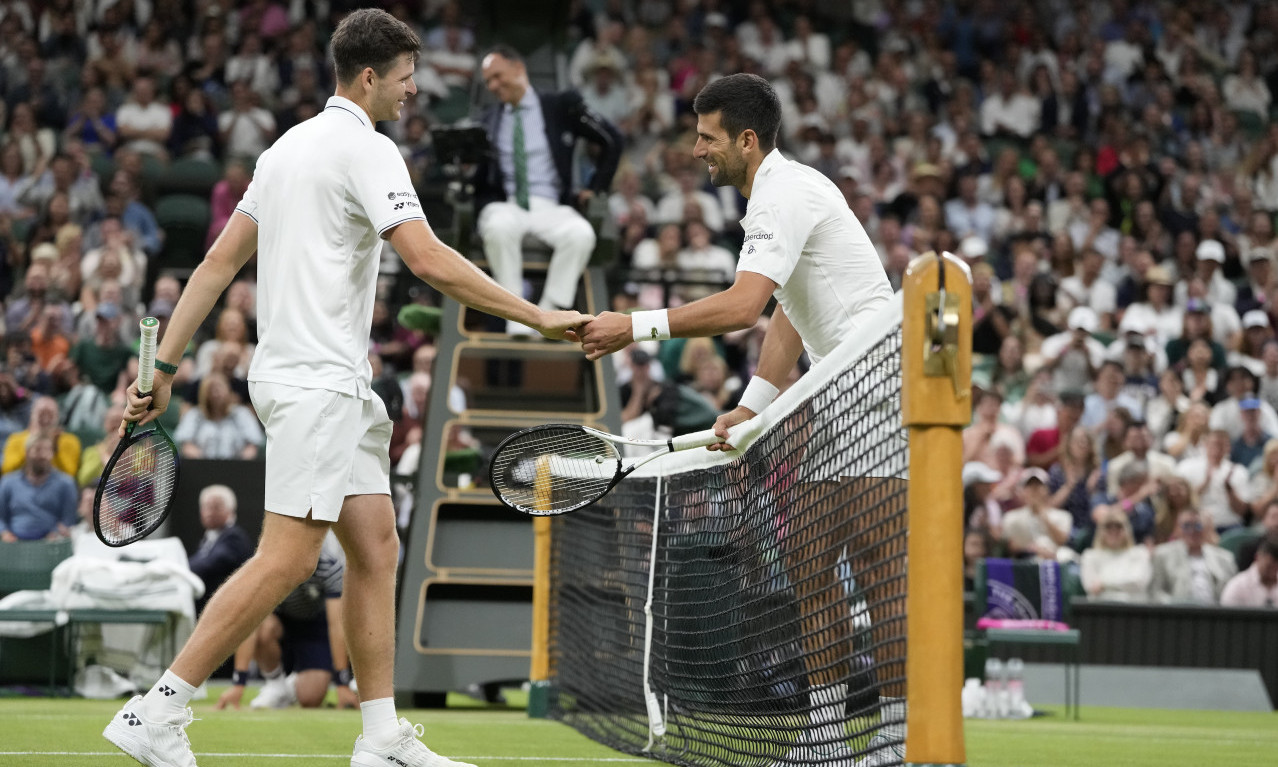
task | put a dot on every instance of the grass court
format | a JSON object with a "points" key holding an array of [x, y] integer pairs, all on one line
{"points": [[53, 732]]}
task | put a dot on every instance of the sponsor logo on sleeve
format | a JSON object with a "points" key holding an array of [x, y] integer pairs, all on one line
{"points": [[406, 204], [758, 236], [393, 195]]}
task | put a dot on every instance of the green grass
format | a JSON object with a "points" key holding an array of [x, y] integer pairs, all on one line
{"points": [[44, 732]]}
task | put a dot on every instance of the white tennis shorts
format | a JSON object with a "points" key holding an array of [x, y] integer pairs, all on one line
{"points": [[321, 446]]}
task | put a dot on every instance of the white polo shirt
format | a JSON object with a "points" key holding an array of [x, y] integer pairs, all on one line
{"points": [[800, 233], [322, 196]]}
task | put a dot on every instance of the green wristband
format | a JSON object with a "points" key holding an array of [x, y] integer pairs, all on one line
{"points": [[165, 367]]}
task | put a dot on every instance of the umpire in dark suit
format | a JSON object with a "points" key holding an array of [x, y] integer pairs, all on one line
{"points": [[225, 545], [525, 186]]}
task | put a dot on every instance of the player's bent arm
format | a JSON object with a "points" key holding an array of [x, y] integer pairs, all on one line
{"points": [[782, 347], [336, 637], [449, 272], [736, 308]]}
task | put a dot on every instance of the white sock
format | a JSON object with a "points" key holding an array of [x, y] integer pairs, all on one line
{"points": [[381, 724], [828, 712], [273, 674], [167, 699]]}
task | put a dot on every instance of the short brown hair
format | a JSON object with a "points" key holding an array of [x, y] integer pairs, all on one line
{"points": [[371, 37]]}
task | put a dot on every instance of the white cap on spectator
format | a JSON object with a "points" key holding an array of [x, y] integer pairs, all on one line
{"points": [[813, 120], [716, 19], [1256, 318], [1211, 250], [1260, 254], [973, 247], [1134, 322], [850, 171], [1033, 472], [1083, 318], [980, 472]]}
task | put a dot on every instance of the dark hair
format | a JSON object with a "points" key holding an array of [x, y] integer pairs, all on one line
{"points": [[371, 37], [1269, 545], [506, 52], [743, 101]]}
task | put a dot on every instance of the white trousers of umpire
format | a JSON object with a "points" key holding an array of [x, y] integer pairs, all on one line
{"points": [[503, 226]]}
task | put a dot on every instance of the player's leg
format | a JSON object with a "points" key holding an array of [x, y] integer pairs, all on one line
{"points": [[151, 728], [367, 534], [366, 530], [573, 240], [816, 517], [879, 563]]}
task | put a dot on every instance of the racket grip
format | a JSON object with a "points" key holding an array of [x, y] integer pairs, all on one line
{"points": [[695, 439]]}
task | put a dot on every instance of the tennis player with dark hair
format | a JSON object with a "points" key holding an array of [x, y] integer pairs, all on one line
{"points": [[805, 247], [322, 200]]}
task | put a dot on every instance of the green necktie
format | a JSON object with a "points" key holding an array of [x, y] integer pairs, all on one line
{"points": [[521, 162]]}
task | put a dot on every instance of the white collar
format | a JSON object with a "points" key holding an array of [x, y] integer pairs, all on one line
{"points": [[346, 105]]}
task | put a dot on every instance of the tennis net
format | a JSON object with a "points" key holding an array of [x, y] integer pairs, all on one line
{"points": [[748, 608]]}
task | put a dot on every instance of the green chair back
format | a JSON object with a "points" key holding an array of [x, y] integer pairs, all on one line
{"points": [[29, 564]]}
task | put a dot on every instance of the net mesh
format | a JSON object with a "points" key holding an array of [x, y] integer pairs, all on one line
{"points": [[777, 588], [136, 489]]}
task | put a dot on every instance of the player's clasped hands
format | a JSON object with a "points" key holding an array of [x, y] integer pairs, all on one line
{"points": [[563, 325], [607, 333]]}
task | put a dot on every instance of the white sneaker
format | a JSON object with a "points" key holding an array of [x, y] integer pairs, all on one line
{"points": [[155, 744], [811, 754], [886, 748], [276, 693], [405, 751]]}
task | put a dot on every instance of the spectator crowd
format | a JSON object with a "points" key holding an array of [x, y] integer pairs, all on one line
{"points": [[1108, 169]]}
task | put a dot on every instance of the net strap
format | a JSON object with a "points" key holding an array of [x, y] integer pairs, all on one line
{"points": [[656, 723]]}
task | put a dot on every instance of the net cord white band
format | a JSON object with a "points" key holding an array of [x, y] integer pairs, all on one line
{"points": [[871, 328], [656, 723], [146, 354]]}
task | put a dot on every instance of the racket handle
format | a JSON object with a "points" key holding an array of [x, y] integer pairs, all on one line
{"points": [[150, 329], [695, 439]]}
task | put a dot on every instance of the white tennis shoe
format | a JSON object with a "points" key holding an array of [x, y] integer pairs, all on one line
{"points": [[276, 693], [155, 744], [807, 754], [887, 747], [405, 751]]}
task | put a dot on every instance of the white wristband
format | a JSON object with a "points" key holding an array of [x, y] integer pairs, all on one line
{"points": [[650, 325], [758, 394]]}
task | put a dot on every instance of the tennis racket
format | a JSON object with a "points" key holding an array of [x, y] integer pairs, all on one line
{"points": [[138, 482], [561, 467]]}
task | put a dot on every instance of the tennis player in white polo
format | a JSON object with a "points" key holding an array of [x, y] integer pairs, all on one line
{"points": [[804, 246], [322, 200]]}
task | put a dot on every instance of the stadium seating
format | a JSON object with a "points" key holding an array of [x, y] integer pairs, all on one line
{"points": [[189, 176], [185, 221]]}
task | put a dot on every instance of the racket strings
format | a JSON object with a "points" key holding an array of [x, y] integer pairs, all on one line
{"points": [[137, 490], [550, 471]]}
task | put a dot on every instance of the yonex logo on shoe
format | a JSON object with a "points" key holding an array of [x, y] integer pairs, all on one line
{"points": [[168, 691], [397, 760], [132, 719]]}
